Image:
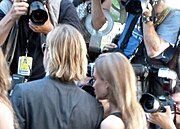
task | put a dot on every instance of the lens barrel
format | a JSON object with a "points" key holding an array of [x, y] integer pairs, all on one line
{"points": [[150, 103], [37, 13]]}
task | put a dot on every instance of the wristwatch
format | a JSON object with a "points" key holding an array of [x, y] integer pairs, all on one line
{"points": [[146, 19]]}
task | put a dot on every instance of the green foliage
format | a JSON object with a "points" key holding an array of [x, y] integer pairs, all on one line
{"points": [[115, 10], [118, 11]]}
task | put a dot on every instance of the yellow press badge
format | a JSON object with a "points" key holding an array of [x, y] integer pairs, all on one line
{"points": [[25, 65]]}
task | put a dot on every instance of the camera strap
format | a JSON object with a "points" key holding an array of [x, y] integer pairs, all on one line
{"points": [[162, 17], [10, 45], [25, 61]]}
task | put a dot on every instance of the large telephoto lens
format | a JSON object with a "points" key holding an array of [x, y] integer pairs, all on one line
{"points": [[37, 13], [149, 103]]}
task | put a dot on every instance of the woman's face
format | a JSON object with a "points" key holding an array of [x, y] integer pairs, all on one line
{"points": [[100, 86], [176, 98]]}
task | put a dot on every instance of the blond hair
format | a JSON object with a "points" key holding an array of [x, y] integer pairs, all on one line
{"points": [[67, 59], [5, 84], [4, 74], [116, 69]]}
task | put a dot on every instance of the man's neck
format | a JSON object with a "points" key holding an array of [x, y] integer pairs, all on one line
{"points": [[160, 8]]}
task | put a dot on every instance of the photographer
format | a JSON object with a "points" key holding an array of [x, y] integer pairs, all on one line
{"points": [[152, 41], [169, 119], [24, 32], [176, 97], [163, 119]]}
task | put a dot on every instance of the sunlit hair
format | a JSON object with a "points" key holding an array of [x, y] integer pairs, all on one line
{"points": [[5, 82], [68, 52], [116, 69]]}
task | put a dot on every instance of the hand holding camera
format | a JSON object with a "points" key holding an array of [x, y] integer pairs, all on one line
{"points": [[18, 9], [148, 10], [39, 17], [36, 11], [45, 28], [164, 120]]}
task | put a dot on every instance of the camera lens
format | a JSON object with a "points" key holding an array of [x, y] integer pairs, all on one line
{"points": [[37, 13], [149, 104], [38, 16]]}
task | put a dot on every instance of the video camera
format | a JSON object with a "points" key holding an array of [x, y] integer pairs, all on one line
{"points": [[153, 104], [37, 12]]}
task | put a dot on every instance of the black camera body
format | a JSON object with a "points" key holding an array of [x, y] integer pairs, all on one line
{"points": [[37, 12], [90, 69], [153, 104], [133, 6]]}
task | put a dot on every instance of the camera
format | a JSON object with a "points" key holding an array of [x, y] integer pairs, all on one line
{"points": [[89, 87], [169, 78], [90, 69], [140, 70], [37, 12], [152, 104]]}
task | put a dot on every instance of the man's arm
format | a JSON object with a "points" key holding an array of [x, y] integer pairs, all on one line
{"points": [[153, 42], [7, 22], [98, 18]]}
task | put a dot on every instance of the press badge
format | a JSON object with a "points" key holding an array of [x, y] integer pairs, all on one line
{"points": [[25, 65]]}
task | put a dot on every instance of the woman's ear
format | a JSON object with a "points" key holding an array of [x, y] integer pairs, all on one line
{"points": [[107, 85]]}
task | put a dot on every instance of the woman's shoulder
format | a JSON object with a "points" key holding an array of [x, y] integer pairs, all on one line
{"points": [[6, 117], [112, 122]]}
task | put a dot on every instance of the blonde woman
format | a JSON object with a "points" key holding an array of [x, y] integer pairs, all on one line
{"points": [[6, 112], [115, 81], [56, 102]]}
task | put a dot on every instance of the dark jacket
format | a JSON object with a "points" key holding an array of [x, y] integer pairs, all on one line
{"points": [[50, 104]]}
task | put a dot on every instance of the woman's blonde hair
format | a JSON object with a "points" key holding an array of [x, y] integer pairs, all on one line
{"points": [[5, 81], [116, 69], [67, 59]]}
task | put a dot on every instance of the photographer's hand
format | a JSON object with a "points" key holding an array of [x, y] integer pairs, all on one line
{"points": [[154, 44], [108, 47], [45, 28], [163, 119], [18, 9], [148, 10]]}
